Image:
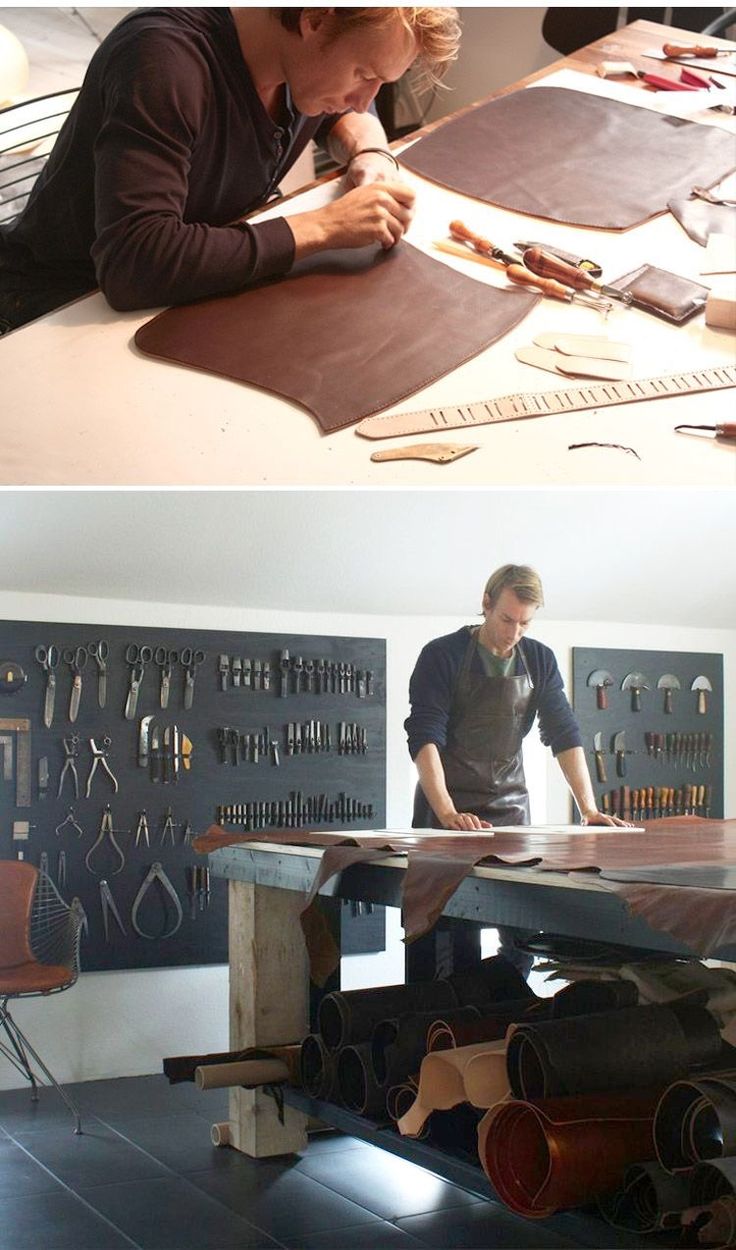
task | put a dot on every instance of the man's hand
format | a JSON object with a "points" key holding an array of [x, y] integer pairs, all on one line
{"points": [[379, 213], [600, 818], [369, 168], [461, 821]]}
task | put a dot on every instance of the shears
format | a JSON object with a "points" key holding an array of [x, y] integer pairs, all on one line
{"points": [[48, 658]]}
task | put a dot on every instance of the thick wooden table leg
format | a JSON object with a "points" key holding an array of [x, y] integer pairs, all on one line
{"points": [[269, 997]]}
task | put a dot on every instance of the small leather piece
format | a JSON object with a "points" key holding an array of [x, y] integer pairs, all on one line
{"points": [[547, 1156], [572, 157], [345, 334], [348, 1017], [696, 1121], [595, 345], [647, 1199], [666, 295], [573, 366], [632, 1048], [700, 219]]}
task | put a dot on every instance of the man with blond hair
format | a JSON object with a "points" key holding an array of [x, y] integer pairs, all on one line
{"points": [[474, 697], [190, 118]]}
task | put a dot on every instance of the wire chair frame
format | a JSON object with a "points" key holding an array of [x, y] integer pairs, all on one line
{"points": [[27, 130], [54, 934]]}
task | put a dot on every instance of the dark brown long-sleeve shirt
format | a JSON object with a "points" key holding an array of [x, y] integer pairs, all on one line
{"points": [[167, 143]]}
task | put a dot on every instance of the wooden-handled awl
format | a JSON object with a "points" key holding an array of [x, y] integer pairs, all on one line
{"points": [[726, 431], [547, 265], [696, 49]]}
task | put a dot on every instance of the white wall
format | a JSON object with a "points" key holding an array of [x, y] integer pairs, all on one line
{"points": [[122, 1023]]}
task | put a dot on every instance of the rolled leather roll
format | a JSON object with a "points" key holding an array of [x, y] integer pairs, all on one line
{"points": [[493, 980], [562, 1152], [715, 1223], [696, 1120], [489, 1026], [650, 1199], [318, 1069], [356, 1080], [633, 1048], [715, 1179], [475, 1074], [346, 1018], [581, 998], [398, 1046]]}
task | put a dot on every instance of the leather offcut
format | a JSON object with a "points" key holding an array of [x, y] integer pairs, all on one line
{"points": [[345, 334], [572, 157]]}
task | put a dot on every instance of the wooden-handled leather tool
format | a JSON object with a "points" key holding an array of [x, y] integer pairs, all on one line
{"points": [[696, 49], [726, 431], [547, 265], [515, 272]]}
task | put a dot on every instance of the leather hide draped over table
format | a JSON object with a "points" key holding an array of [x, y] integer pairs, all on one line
{"points": [[345, 334], [572, 157], [702, 917]]}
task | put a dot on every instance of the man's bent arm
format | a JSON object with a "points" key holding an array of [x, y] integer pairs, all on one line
{"points": [[575, 770], [432, 781]]}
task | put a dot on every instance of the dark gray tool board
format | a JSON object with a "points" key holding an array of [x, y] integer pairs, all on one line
{"points": [[643, 768], [195, 798]]}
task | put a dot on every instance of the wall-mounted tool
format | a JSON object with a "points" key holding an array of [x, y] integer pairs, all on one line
{"points": [[169, 827], [144, 741], [106, 831], [99, 756], [142, 832], [99, 650], [6, 747], [156, 873], [165, 658], [21, 727], [619, 749], [704, 688], [191, 659], [48, 657], [601, 680], [71, 820], [223, 668], [668, 682], [76, 658], [600, 763], [137, 657], [109, 908], [43, 776], [635, 682], [71, 754], [12, 677]]}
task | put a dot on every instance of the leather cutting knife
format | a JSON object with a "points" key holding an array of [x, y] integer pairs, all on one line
{"points": [[600, 763], [436, 453], [143, 741]]}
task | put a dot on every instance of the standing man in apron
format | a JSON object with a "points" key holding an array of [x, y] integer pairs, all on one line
{"points": [[474, 697]]}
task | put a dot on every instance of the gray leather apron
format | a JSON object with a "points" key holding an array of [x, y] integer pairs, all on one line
{"points": [[482, 758]]}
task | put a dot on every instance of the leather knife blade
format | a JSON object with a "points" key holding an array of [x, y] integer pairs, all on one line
{"points": [[600, 763], [619, 746], [175, 751], [436, 453], [155, 754], [166, 753], [101, 687], [76, 697], [186, 751], [143, 741], [131, 703], [48, 705]]}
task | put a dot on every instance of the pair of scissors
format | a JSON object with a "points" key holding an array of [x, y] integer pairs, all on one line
{"points": [[99, 651], [48, 658], [137, 657], [191, 659], [164, 657], [76, 658]]}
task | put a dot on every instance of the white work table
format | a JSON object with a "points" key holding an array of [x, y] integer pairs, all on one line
{"points": [[83, 406]]}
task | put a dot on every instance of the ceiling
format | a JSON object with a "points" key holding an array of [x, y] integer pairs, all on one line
{"points": [[628, 556]]}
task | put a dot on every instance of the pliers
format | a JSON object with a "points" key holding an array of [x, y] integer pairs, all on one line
{"points": [[106, 830], [71, 748], [107, 903], [99, 755]]}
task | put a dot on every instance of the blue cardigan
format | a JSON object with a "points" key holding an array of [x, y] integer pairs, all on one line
{"points": [[435, 676]]}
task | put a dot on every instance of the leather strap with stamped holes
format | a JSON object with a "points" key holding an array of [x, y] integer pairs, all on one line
{"points": [[547, 403]]}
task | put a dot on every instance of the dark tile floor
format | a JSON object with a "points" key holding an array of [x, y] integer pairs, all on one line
{"points": [[144, 1175]]}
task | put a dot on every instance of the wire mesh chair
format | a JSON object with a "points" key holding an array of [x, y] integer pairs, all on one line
{"points": [[720, 24], [39, 955], [28, 132]]}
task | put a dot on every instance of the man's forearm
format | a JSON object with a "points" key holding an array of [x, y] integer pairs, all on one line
{"points": [[432, 780], [354, 132], [575, 770]]}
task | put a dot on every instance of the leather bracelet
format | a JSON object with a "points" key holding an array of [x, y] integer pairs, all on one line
{"points": [[380, 151]]}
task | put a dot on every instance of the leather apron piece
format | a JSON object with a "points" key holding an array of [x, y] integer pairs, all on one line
{"points": [[482, 758], [573, 157], [345, 334]]}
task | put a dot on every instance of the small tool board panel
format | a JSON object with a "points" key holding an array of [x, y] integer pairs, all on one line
{"points": [[661, 740], [260, 731]]}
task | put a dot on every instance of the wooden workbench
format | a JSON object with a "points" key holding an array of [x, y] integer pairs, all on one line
{"points": [[87, 408]]}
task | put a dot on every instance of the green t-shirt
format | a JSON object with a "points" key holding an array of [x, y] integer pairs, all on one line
{"points": [[497, 665]]}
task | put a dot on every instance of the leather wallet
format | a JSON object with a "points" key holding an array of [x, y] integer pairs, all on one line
{"points": [[662, 293]]}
